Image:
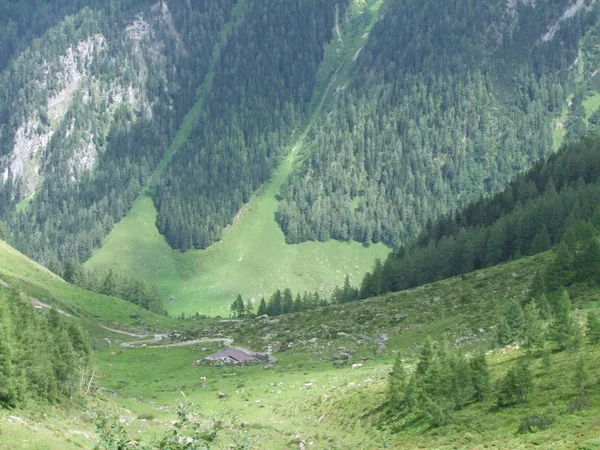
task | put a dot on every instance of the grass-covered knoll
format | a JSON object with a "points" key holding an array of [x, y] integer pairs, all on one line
{"points": [[309, 396], [27, 276], [252, 259]]}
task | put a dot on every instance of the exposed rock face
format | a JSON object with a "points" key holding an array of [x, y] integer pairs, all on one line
{"points": [[569, 13], [72, 79]]}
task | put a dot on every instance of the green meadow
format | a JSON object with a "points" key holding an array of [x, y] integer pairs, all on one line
{"points": [[252, 259]]}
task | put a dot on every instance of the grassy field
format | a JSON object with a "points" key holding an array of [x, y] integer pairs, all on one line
{"points": [[36, 281], [252, 259], [306, 397]]}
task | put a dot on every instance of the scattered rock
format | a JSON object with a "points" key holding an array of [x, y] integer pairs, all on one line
{"points": [[343, 356], [313, 340], [264, 316], [479, 275], [15, 419], [400, 317], [380, 349]]}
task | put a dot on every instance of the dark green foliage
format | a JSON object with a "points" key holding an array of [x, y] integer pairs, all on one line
{"points": [[494, 230], [535, 422], [541, 242], [74, 210], [509, 327], [533, 336], [593, 328], [140, 293], [481, 377], [442, 107], [562, 329], [237, 307], [442, 383], [262, 90], [516, 386], [262, 307], [43, 357]]}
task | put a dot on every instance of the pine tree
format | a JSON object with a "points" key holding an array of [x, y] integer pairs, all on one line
{"points": [[275, 306], [298, 303], [249, 310], [398, 382], [516, 386], [541, 242], [8, 394], [262, 307], [288, 302]]}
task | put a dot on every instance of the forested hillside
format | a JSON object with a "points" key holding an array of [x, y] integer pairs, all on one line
{"points": [[554, 204], [443, 103], [43, 357], [99, 98], [448, 100], [261, 93]]}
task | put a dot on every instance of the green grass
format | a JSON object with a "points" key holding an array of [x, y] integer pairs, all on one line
{"points": [[36, 281], [591, 105], [252, 259], [342, 408]]}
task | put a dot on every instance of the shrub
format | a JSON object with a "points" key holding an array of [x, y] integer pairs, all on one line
{"points": [[535, 422]]}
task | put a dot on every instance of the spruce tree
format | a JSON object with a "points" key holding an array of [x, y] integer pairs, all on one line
{"points": [[541, 242], [8, 394], [288, 302], [262, 307]]}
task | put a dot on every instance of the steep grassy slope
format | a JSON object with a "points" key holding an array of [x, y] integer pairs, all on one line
{"points": [[252, 259], [21, 273]]}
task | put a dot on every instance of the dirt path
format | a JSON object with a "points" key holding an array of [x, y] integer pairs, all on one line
{"points": [[124, 332], [163, 337]]}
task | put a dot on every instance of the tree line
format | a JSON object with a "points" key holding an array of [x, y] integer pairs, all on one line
{"points": [[445, 381], [442, 107], [43, 356], [556, 201], [111, 283], [262, 89]]}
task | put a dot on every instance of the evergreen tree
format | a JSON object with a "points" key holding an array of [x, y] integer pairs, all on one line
{"points": [[237, 307], [397, 385], [481, 377], [275, 306], [249, 308], [298, 303], [288, 302], [532, 328], [516, 386], [541, 243], [8, 394], [561, 327], [262, 307]]}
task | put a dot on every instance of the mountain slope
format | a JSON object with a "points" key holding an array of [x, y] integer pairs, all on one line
{"points": [[446, 103], [103, 94], [252, 259]]}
